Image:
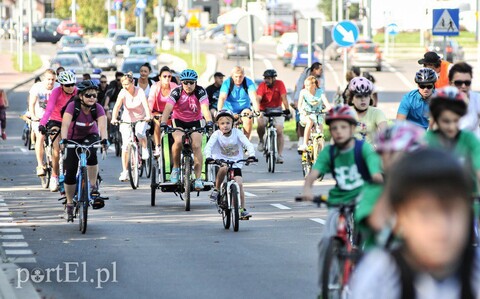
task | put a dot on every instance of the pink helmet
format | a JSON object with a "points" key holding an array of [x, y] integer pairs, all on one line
{"points": [[341, 112], [360, 85], [401, 136]]}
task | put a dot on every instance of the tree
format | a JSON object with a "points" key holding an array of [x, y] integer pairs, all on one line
{"points": [[325, 6]]}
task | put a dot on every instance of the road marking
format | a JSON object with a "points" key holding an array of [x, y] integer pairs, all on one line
{"points": [[318, 220], [2, 204], [280, 206], [18, 251], [408, 83], [268, 64], [22, 260], [6, 218], [12, 237], [10, 230], [249, 194], [24, 150], [15, 244]]}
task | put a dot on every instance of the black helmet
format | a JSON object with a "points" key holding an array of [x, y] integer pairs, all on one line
{"points": [[86, 85], [425, 76], [270, 73], [224, 112]]}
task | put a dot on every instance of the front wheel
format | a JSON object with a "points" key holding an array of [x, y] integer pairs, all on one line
{"points": [[148, 162], [187, 172], [118, 142], [133, 166], [154, 183], [234, 207], [333, 277], [83, 203]]}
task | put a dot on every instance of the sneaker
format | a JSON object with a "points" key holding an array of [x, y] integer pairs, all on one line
{"points": [[198, 185], [69, 211], [158, 151], [214, 196], [123, 176], [145, 154], [40, 171], [261, 146], [244, 214], [279, 159], [4, 136], [302, 148], [54, 184], [174, 175]]}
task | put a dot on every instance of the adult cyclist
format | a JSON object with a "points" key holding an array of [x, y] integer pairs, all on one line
{"points": [[189, 104], [52, 118], [414, 105], [84, 129]]}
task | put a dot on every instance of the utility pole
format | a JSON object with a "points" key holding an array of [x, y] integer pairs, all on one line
{"points": [[74, 11], [30, 29]]}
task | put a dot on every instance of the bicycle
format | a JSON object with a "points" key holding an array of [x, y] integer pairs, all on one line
{"points": [[27, 132], [228, 201], [116, 139], [271, 149], [342, 251], [314, 146], [185, 184], [48, 157], [82, 198]]}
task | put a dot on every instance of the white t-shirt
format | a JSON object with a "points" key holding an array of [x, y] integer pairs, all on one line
{"points": [[471, 120], [42, 94], [229, 147]]}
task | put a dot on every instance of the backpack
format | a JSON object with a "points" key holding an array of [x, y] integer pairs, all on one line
{"points": [[361, 165], [76, 111], [244, 85]]}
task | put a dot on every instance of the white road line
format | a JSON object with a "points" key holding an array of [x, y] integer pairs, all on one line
{"points": [[318, 220], [10, 230], [249, 194], [5, 213], [24, 150], [6, 219], [2, 204], [12, 237], [268, 64], [18, 251], [15, 244], [335, 75], [23, 260], [2, 200], [280, 206], [408, 83]]}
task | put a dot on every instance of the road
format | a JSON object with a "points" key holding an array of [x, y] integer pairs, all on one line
{"points": [[163, 251]]}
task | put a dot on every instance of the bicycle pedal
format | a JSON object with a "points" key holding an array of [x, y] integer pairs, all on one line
{"points": [[245, 217]]}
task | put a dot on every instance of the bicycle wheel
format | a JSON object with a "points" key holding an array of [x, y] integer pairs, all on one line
{"points": [[83, 203], [271, 153], [133, 166], [187, 172], [226, 213], [28, 140], [118, 142], [153, 183], [234, 207], [333, 266], [25, 134], [148, 162]]}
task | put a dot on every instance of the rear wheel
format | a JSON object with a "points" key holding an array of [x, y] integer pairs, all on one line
{"points": [[333, 265], [234, 207], [45, 180], [148, 162], [83, 203], [187, 171], [118, 142], [154, 183], [272, 153], [133, 166]]}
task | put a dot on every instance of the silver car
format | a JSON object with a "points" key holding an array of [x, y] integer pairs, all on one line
{"points": [[235, 47], [366, 55], [147, 51], [69, 62], [101, 57], [133, 64]]}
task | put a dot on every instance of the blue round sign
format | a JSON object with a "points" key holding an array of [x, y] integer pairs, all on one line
{"points": [[392, 29], [345, 33]]}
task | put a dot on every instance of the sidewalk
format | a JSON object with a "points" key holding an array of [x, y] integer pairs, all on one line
{"points": [[10, 78]]}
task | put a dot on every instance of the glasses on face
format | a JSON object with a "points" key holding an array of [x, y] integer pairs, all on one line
{"points": [[129, 76], [188, 82], [167, 76], [459, 83], [428, 86], [68, 85], [90, 95], [267, 78]]}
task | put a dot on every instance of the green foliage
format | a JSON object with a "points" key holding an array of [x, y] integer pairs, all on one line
{"points": [[92, 15], [62, 9], [27, 67], [325, 6]]}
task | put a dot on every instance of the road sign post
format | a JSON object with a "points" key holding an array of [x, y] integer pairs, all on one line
{"points": [[249, 29], [310, 31], [345, 34]]}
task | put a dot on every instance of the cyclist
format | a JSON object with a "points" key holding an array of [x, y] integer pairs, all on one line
{"points": [[188, 103], [144, 81], [102, 91], [344, 167], [370, 119], [134, 102], [52, 118], [271, 96], [312, 101], [84, 129], [229, 143], [414, 105], [213, 92], [157, 100], [37, 102], [3, 114], [238, 94], [113, 89], [441, 67], [429, 193], [460, 76]]}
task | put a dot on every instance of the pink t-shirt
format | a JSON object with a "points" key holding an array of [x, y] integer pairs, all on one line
{"points": [[186, 107], [133, 110], [156, 101], [58, 98], [84, 124]]}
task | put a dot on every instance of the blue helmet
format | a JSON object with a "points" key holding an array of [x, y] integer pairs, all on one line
{"points": [[188, 74]]}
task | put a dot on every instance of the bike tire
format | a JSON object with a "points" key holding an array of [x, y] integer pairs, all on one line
{"points": [[118, 143], [333, 265], [148, 162], [234, 207], [133, 167], [187, 171], [83, 203], [29, 139], [25, 134], [306, 167], [226, 213], [272, 152], [153, 183]]}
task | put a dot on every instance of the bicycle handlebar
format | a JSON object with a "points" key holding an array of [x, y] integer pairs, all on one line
{"points": [[222, 162], [323, 199], [186, 131]]}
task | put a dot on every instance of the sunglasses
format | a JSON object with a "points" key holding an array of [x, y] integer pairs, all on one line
{"points": [[68, 85], [167, 76], [90, 95], [189, 82], [429, 86], [459, 83]]}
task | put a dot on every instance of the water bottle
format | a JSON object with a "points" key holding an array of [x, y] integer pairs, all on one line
{"points": [[61, 188]]}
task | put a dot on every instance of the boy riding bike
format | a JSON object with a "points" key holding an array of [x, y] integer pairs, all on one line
{"points": [[229, 143]]}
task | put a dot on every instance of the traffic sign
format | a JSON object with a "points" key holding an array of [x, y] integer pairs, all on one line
{"points": [[345, 33], [141, 4], [117, 5], [392, 29], [242, 28], [193, 22], [446, 22]]}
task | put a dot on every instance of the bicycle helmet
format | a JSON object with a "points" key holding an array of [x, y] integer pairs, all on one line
{"points": [[86, 85], [225, 112], [67, 77], [447, 98], [425, 76], [401, 136], [188, 74], [360, 85], [270, 73], [341, 112]]}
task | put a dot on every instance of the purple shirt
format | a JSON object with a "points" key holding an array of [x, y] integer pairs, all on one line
{"points": [[84, 124]]}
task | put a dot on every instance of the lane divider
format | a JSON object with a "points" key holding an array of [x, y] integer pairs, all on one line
{"points": [[318, 220], [280, 206]]}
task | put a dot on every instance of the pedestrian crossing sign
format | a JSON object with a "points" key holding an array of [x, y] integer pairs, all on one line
{"points": [[446, 22]]}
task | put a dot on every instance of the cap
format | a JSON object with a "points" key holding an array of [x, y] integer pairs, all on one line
{"points": [[429, 57], [218, 74]]}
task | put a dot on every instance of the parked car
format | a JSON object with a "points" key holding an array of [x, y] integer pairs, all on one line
{"points": [[81, 52], [101, 57], [118, 42], [455, 52], [68, 61], [300, 55], [42, 34], [235, 47], [51, 23], [71, 41], [133, 64], [135, 40], [67, 27], [367, 55], [146, 51]]}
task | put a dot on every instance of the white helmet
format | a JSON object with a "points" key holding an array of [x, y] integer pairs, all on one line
{"points": [[67, 77]]}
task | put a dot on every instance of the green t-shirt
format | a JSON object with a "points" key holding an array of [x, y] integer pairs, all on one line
{"points": [[349, 180], [365, 205], [466, 149], [367, 125]]}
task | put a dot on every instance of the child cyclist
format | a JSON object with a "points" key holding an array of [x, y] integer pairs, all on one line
{"points": [[228, 143], [430, 195], [342, 121]]}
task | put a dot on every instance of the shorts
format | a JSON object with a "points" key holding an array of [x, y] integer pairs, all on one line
{"points": [[187, 124], [53, 123], [316, 118], [277, 120], [70, 164], [237, 172], [140, 131]]}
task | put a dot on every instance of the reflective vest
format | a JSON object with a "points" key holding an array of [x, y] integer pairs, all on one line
{"points": [[442, 80]]}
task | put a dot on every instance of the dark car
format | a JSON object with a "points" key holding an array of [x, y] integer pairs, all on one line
{"points": [[42, 34], [455, 52], [300, 55]]}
